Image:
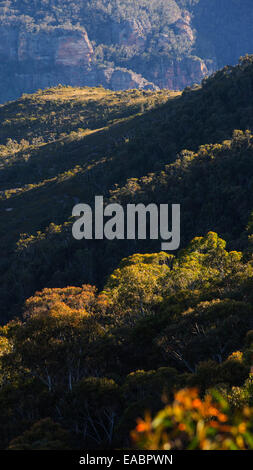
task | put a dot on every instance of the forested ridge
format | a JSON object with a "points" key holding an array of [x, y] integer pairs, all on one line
{"points": [[95, 333]]}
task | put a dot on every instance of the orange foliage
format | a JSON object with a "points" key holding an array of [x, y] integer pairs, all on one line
{"points": [[194, 423], [68, 300]]}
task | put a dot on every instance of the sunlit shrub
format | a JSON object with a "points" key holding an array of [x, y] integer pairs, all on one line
{"points": [[194, 423]]}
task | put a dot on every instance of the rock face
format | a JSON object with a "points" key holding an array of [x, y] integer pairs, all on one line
{"points": [[73, 51], [123, 79], [58, 47], [118, 44], [132, 34], [60, 55], [178, 74]]}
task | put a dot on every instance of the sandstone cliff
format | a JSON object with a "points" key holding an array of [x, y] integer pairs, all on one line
{"points": [[118, 44], [30, 60]]}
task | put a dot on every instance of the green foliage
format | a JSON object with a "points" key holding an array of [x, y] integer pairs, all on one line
{"points": [[137, 284], [43, 435]]}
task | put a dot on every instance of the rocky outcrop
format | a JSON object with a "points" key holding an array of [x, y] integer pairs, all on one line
{"points": [[45, 58], [39, 57], [183, 26], [55, 46], [73, 51], [133, 34], [177, 74], [123, 79], [160, 43]]}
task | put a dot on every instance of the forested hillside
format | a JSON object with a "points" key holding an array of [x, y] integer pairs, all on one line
{"points": [[95, 333], [120, 44], [63, 146]]}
